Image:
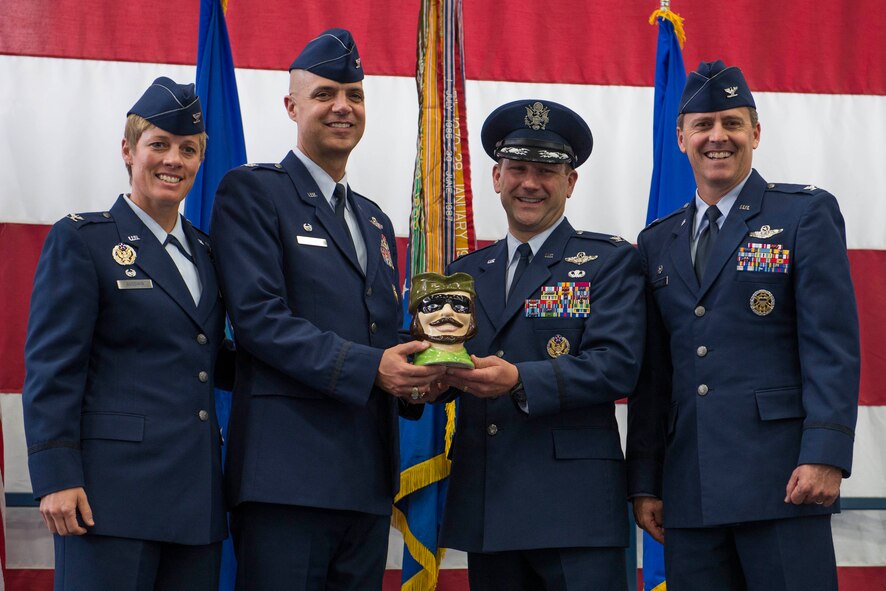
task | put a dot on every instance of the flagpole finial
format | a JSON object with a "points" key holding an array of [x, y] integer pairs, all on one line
{"points": [[665, 13]]}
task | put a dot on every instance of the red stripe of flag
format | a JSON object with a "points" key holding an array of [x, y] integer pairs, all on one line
{"points": [[604, 42]]}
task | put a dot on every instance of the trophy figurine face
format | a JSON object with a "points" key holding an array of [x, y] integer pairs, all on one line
{"points": [[443, 314], [446, 317]]}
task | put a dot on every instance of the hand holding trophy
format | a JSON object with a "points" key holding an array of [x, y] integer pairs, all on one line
{"points": [[442, 308]]}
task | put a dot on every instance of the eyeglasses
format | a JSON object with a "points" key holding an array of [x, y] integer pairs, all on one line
{"points": [[460, 304]]}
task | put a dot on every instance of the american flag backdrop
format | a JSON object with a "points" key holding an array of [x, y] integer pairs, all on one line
{"points": [[70, 69]]}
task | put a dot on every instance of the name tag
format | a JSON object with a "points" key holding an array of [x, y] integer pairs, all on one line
{"points": [[311, 241], [135, 284]]}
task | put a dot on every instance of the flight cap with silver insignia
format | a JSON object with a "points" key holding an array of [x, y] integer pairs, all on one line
{"points": [[171, 106], [332, 54], [537, 131], [715, 87]]}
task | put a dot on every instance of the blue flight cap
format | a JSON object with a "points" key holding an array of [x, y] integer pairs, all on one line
{"points": [[537, 131], [714, 87], [331, 54], [171, 107]]}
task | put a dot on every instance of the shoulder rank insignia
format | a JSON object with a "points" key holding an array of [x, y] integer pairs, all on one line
{"points": [[123, 254], [810, 188], [766, 232], [616, 238], [75, 217], [581, 258]]}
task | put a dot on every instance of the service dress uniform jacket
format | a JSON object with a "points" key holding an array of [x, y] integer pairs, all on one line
{"points": [[753, 371], [554, 477], [118, 394], [308, 426]]}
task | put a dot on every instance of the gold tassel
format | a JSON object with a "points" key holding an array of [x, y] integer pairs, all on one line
{"points": [[675, 19]]}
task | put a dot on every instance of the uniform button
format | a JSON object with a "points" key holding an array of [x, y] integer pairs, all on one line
{"points": [[106, 215], [701, 351], [368, 291], [373, 328], [492, 429], [201, 339], [703, 390], [499, 353], [203, 415], [699, 311], [203, 376]]}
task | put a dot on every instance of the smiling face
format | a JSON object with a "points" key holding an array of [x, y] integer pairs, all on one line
{"points": [[533, 194], [331, 117], [720, 147], [445, 317], [163, 167]]}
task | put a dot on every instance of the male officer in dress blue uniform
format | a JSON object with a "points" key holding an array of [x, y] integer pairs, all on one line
{"points": [[126, 321], [749, 391], [309, 271], [537, 495]]}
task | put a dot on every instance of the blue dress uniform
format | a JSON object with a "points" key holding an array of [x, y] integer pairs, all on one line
{"points": [[306, 418], [313, 443], [118, 395], [750, 372], [121, 353], [543, 474]]}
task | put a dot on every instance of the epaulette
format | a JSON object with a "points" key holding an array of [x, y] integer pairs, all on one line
{"points": [[793, 188], [477, 251], [275, 166], [364, 197], [91, 217], [607, 238], [656, 221]]}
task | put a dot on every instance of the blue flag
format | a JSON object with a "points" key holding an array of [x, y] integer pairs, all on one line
{"points": [[672, 180], [225, 149], [217, 89], [672, 185]]}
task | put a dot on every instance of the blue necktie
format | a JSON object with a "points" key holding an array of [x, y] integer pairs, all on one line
{"points": [[170, 239], [706, 241], [525, 252], [340, 198]]}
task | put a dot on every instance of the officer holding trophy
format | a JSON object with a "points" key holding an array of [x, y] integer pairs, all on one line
{"points": [[538, 487]]}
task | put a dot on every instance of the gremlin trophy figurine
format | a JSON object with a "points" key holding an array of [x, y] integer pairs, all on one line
{"points": [[442, 308]]}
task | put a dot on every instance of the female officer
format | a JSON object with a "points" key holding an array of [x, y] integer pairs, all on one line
{"points": [[125, 327]]}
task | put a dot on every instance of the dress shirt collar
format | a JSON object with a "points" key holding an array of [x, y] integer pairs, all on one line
{"points": [[325, 183], [724, 205], [155, 228]]}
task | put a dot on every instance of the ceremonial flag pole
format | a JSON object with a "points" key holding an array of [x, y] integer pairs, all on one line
{"points": [[441, 229], [672, 185]]}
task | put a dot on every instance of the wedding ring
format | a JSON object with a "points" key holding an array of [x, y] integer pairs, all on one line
{"points": [[819, 502], [415, 393]]}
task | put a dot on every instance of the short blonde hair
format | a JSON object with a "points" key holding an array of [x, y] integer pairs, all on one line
{"points": [[136, 125]]}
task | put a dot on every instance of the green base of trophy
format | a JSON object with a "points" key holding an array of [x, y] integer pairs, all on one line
{"points": [[432, 356]]}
